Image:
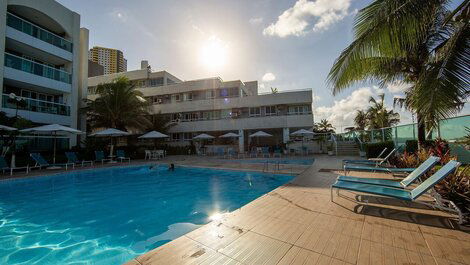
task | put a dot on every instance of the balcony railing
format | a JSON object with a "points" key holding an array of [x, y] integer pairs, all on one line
{"points": [[37, 32], [43, 70], [36, 105]]}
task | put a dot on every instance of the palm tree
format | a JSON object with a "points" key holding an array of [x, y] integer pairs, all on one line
{"points": [[324, 126], [378, 116], [160, 123], [361, 120], [118, 105], [413, 41]]}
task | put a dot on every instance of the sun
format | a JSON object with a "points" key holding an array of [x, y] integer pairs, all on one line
{"points": [[213, 54]]}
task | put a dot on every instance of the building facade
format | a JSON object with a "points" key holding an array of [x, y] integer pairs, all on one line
{"points": [[94, 69], [216, 107], [112, 60], [42, 61]]}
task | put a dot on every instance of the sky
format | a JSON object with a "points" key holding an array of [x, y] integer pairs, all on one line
{"points": [[288, 45]]}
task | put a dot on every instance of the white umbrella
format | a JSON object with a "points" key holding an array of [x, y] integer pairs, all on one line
{"points": [[261, 134], [203, 136], [6, 128], [302, 132], [111, 132], [53, 129], [153, 135], [229, 135]]}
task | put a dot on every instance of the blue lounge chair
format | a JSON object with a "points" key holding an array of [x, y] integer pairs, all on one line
{"points": [[121, 155], [99, 157], [72, 158], [406, 195], [41, 162], [265, 151], [418, 172], [372, 161], [4, 166], [391, 170], [277, 153]]}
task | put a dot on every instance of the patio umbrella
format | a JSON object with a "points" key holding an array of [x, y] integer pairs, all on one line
{"points": [[303, 133], [53, 129], [110, 132], [153, 135], [6, 128], [260, 134], [203, 136], [229, 135]]}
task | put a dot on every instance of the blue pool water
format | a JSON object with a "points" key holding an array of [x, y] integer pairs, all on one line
{"points": [[108, 216], [285, 161]]}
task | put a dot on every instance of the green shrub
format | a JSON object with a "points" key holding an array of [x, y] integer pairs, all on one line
{"points": [[374, 149]]}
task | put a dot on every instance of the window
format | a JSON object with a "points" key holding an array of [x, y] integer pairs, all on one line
{"points": [[157, 100], [141, 83], [175, 136], [156, 82], [210, 94], [170, 81], [226, 113], [176, 97], [187, 97], [270, 110], [175, 117], [255, 112], [300, 110], [187, 136]]}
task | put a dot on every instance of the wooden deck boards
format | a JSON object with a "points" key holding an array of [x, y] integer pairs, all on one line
{"points": [[298, 224]]}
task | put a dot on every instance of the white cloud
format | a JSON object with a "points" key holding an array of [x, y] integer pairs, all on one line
{"points": [[397, 87], [256, 20], [315, 97], [321, 13], [343, 111], [268, 77]]}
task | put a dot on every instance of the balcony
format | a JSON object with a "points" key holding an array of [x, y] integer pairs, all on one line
{"points": [[41, 106], [30, 72], [38, 32]]}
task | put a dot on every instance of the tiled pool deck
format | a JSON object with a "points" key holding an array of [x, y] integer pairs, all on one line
{"points": [[298, 224]]}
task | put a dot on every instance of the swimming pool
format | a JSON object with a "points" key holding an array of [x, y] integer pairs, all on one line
{"points": [[285, 161], [108, 216]]}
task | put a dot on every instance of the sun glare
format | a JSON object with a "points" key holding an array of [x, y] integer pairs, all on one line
{"points": [[213, 54]]}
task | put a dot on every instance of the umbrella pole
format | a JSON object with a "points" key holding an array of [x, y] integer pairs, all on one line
{"points": [[55, 145]]}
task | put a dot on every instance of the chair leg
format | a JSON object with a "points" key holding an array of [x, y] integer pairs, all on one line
{"points": [[331, 193]]}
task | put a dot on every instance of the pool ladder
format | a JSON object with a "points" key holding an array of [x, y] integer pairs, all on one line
{"points": [[276, 166]]}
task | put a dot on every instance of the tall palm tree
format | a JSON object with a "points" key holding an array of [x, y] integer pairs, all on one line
{"points": [[378, 116], [118, 105], [324, 126], [360, 120], [411, 41]]}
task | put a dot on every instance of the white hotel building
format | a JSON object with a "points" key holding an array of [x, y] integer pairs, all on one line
{"points": [[44, 60], [215, 107]]}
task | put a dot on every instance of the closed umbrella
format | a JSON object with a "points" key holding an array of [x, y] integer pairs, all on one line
{"points": [[53, 129], [110, 132]]}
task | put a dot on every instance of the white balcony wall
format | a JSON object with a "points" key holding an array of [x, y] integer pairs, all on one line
{"points": [[253, 123], [36, 80], [38, 44], [40, 117]]}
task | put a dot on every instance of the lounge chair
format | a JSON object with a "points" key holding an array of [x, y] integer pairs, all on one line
{"points": [[405, 195], [41, 162], [99, 157], [391, 170], [120, 155], [231, 153], [418, 172], [253, 153], [4, 166], [277, 153], [265, 152], [372, 161], [72, 158]]}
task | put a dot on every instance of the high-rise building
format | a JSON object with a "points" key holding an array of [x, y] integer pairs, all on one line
{"points": [[43, 62], [112, 60]]}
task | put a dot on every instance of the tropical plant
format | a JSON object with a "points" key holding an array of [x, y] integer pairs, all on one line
{"points": [[378, 116], [118, 105], [360, 120], [418, 42], [324, 126], [274, 90]]}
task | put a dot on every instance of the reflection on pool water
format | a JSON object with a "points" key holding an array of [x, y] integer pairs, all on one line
{"points": [[108, 216], [285, 161]]}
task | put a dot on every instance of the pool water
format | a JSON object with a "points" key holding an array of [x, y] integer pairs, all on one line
{"points": [[288, 161], [108, 216]]}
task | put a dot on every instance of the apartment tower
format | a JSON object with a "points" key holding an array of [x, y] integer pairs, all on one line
{"points": [[112, 60]]}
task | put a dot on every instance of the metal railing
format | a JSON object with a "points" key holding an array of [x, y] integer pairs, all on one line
{"points": [[38, 32], [36, 105], [35, 68]]}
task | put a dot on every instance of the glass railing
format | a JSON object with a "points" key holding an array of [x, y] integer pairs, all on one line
{"points": [[43, 70], [37, 32], [36, 105]]}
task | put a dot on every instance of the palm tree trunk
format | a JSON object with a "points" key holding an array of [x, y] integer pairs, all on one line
{"points": [[421, 130]]}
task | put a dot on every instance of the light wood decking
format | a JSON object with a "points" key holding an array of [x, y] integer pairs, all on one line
{"points": [[298, 224]]}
